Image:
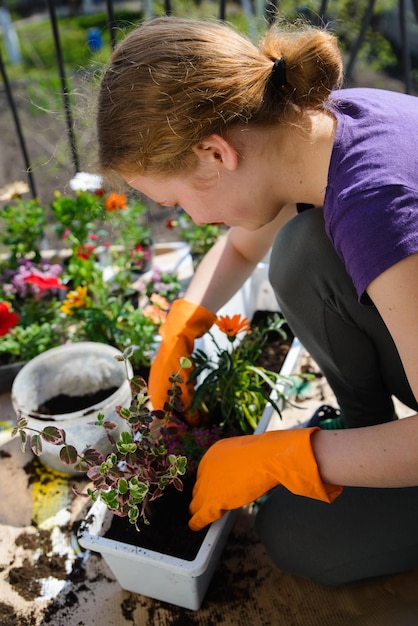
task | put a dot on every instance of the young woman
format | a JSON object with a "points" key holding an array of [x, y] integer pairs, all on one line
{"points": [[264, 140]]}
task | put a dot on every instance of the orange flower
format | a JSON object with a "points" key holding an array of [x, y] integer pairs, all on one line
{"points": [[8, 318], [154, 313], [160, 301], [75, 300], [231, 326], [115, 202]]}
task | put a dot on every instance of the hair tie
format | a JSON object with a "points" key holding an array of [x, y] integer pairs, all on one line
{"points": [[278, 73]]}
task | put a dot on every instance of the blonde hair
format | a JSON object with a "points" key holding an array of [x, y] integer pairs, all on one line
{"points": [[173, 81]]}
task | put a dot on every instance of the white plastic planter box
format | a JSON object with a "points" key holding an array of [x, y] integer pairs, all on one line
{"points": [[159, 576]]}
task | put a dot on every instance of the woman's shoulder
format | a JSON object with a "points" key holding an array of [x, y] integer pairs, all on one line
{"points": [[376, 104]]}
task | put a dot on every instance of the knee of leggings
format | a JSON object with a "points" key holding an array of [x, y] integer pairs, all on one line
{"points": [[292, 545]]}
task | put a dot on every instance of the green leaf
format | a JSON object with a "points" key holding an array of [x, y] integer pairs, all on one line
{"points": [[185, 363], [133, 514], [23, 439], [36, 444], [123, 486], [110, 498], [68, 455], [53, 435], [138, 489]]}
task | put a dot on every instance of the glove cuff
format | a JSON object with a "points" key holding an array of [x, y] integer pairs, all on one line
{"points": [[302, 475]]}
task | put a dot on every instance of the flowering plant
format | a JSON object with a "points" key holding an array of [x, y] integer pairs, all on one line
{"points": [[163, 283], [23, 221], [89, 292], [232, 383], [29, 310], [158, 447]]}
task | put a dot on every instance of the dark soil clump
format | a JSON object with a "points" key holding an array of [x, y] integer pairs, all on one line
{"points": [[276, 347]]}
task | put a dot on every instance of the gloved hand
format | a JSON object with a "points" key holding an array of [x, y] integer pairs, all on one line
{"points": [[185, 322], [238, 470]]}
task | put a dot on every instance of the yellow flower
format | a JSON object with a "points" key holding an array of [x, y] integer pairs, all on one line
{"points": [[231, 326], [75, 300]]}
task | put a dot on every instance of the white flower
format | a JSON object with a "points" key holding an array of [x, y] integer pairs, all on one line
{"points": [[83, 181]]}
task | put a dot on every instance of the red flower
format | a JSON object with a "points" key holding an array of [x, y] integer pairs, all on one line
{"points": [[231, 326], [44, 282], [8, 318], [115, 201], [85, 251], [93, 237]]}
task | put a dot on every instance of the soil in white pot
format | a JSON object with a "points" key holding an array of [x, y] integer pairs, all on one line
{"points": [[63, 403], [168, 531]]}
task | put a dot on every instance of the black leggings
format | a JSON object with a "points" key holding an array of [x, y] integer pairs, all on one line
{"points": [[365, 532]]}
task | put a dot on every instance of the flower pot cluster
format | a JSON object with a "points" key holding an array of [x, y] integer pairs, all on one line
{"points": [[101, 285]]}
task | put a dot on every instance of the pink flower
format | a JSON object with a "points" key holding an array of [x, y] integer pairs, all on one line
{"points": [[44, 282]]}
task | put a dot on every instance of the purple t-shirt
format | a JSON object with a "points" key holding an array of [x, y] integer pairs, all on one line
{"points": [[371, 200]]}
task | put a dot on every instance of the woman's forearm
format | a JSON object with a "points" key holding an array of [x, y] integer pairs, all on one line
{"points": [[231, 261], [385, 455], [219, 275]]}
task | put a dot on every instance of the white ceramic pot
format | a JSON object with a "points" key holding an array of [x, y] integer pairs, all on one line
{"points": [[74, 369]]}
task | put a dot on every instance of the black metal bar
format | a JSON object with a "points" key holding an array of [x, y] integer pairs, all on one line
{"points": [[406, 59], [16, 120], [323, 10], [167, 7], [271, 10], [364, 26], [222, 10], [111, 24], [65, 92]]}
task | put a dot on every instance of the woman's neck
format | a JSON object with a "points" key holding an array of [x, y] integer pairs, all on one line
{"points": [[306, 156]]}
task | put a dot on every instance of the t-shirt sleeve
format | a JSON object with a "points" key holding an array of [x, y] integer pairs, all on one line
{"points": [[373, 232]]}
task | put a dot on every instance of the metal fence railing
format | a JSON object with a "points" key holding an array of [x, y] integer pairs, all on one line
{"points": [[407, 10]]}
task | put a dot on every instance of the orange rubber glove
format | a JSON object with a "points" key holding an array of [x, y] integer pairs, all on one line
{"points": [[185, 322], [238, 470]]}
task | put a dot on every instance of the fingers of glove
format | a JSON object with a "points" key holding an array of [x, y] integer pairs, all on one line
{"points": [[204, 517], [208, 506], [228, 477], [167, 361], [187, 318]]}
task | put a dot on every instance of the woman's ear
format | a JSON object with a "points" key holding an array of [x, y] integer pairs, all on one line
{"points": [[215, 149]]}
